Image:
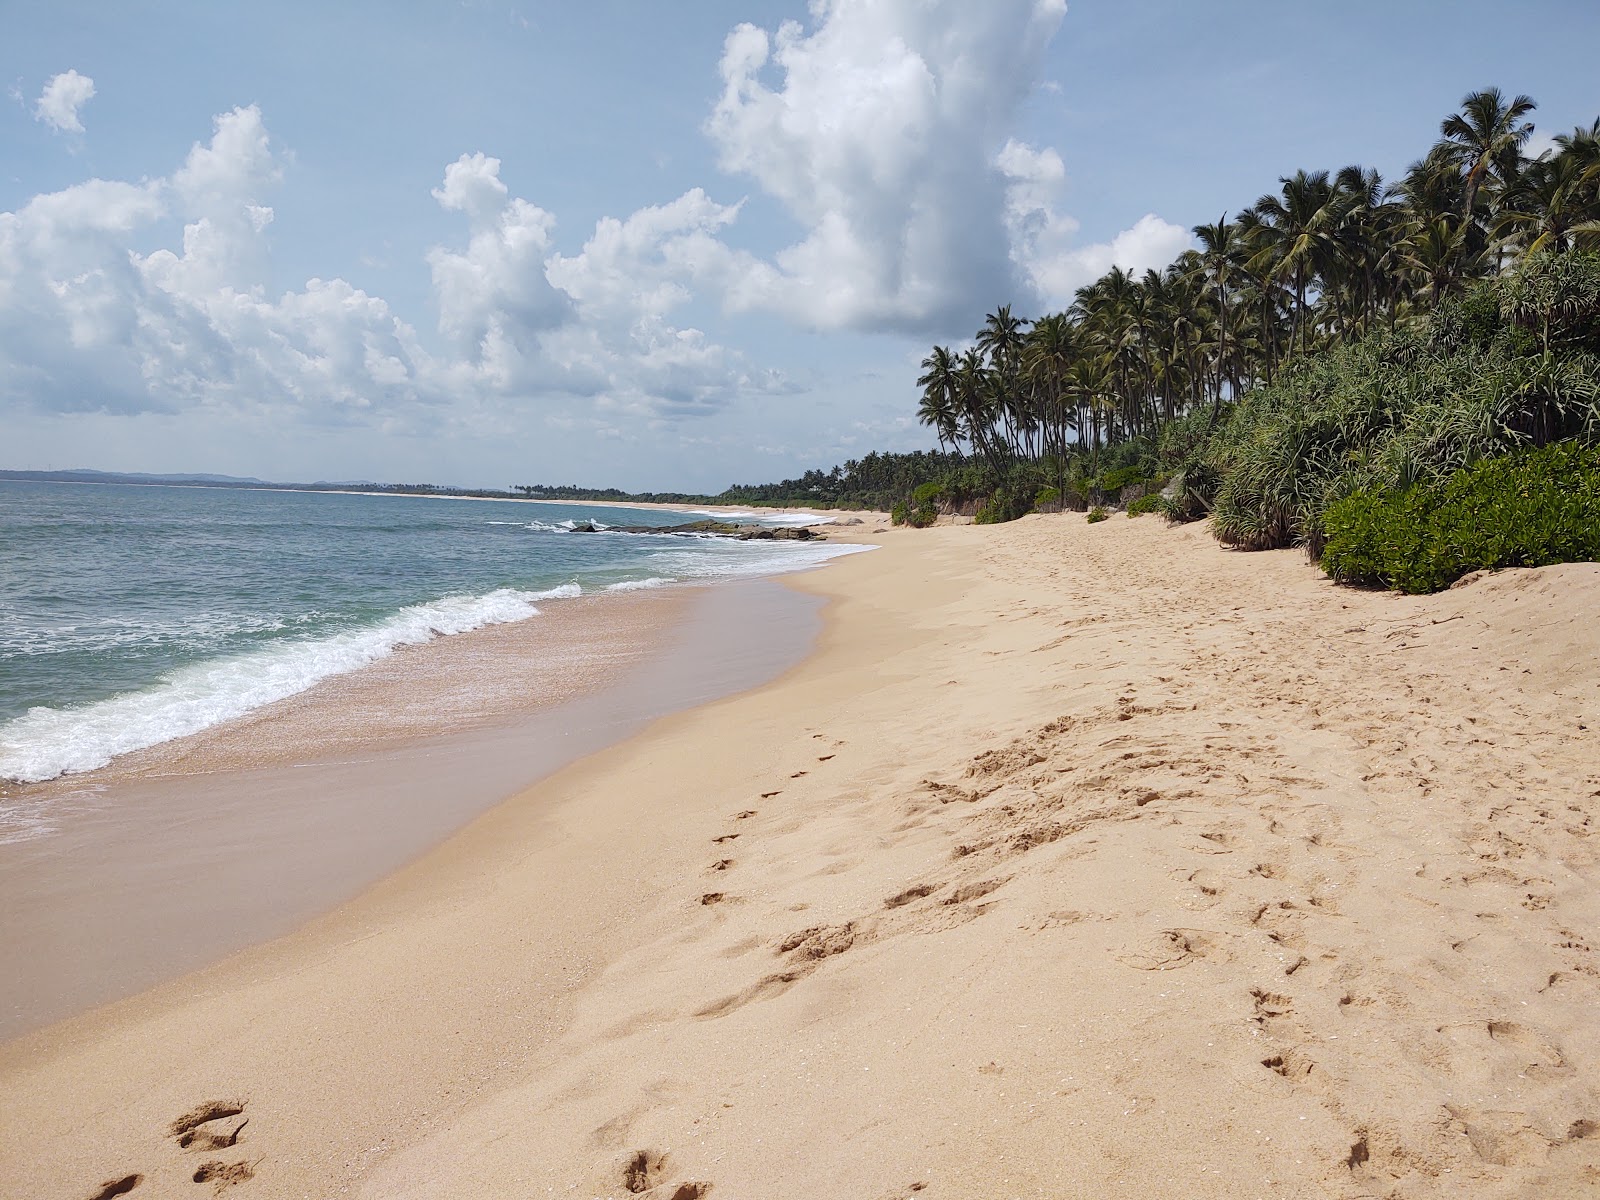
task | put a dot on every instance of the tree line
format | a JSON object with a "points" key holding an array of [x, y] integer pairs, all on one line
{"points": [[1327, 259]]}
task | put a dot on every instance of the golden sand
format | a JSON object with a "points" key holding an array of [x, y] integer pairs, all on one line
{"points": [[1078, 861]]}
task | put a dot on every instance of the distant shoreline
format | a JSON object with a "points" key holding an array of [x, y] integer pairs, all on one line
{"points": [[452, 494]]}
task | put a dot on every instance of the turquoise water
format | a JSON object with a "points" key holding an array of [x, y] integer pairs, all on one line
{"points": [[133, 615]]}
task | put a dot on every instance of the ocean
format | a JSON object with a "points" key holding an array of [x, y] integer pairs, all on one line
{"points": [[133, 615]]}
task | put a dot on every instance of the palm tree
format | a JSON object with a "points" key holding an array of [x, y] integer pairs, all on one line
{"points": [[1049, 351], [1298, 236], [1549, 208], [1222, 258], [1485, 140], [1439, 256], [939, 406]]}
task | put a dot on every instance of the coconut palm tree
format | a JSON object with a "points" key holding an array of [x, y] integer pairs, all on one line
{"points": [[1485, 141], [1298, 236], [939, 407], [1222, 258], [1550, 208]]}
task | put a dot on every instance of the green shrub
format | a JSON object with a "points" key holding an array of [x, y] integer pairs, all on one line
{"points": [[1153, 502], [898, 514], [1008, 502], [1509, 366], [927, 495], [1528, 509], [1115, 480], [1047, 498], [1097, 513]]}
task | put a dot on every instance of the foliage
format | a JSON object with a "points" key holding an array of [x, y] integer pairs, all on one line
{"points": [[1413, 405], [1153, 502], [1097, 514], [1115, 480], [1526, 509], [1006, 503], [1291, 356]]}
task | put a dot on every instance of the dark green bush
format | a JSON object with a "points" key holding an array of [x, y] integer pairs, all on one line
{"points": [[1008, 502], [1527, 509], [1097, 513], [1153, 502], [1509, 366], [1114, 481], [1048, 498]]}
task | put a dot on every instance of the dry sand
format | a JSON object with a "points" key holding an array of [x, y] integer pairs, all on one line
{"points": [[1079, 861]]}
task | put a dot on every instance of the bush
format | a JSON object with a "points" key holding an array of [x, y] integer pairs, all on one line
{"points": [[1048, 499], [1154, 502], [1008, 502], [1114, 481], [1097, 513], [1528, 509]]}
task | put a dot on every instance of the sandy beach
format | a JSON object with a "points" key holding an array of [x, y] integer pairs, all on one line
{"points": [[1075, 861]]}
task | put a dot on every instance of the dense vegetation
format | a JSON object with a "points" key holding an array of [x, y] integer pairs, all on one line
{"points": [[1338, 336], [1529, 508]]}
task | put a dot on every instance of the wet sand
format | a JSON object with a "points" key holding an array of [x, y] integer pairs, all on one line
{"points": [[174, 856]]}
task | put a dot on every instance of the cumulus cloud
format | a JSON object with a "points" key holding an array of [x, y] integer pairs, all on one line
{"points": [[526, 320], [63, 96], [1044, 243], [883, 130], [880, 140], [493, 297], [89, 321]]}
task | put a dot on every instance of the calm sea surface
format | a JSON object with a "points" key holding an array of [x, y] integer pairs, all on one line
{"points": [[133, 615]]}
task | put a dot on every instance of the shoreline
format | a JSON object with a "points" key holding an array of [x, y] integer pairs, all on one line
{"points": [[864, 514], [1075, 860], [171, 857]]}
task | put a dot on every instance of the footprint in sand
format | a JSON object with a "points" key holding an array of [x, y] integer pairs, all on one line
{"points": [[900, 899], [214, 1125], [202, 1127], [223, 1175], [1166, 951], [117, 1187]]}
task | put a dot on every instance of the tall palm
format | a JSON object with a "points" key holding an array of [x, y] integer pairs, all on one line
{"points": [[1485, 139], [1048, 353], [1222, 257], [939, 407], [1550, 208], [1298, 236]]}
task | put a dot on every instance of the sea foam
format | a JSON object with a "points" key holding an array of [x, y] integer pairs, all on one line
{"points": [[46, 742]]}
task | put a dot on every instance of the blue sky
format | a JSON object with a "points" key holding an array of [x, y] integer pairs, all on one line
{"points": [[658, 246]]}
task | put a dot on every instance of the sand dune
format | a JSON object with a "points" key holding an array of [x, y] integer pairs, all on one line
{"points": [[1079, 861]]}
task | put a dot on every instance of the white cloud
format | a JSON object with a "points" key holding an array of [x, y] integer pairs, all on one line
{"points": [[1044, 241], [494, 298], [91, 322], [63, 96], [884, 130], [88, 323], [880, 141]]}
